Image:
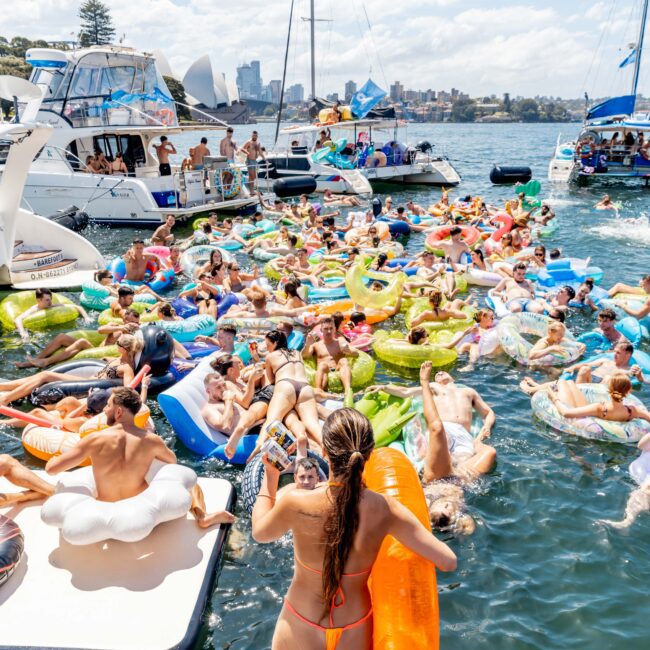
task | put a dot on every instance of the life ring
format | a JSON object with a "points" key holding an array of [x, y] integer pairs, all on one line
{"points": [[61, 313], [492, 244], [511, 329], [392, 347], [360, 294], [590, 427], [361, 232], [452, 324], [12, 545], [228, 181], [469, 235], [362, 367], [254, 473]]}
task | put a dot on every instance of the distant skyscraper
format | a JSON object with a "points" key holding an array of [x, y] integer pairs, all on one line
{"points": [[294, 94], [396, 91], [249, 80], [275, 87], [333, 97], [350, 89]]}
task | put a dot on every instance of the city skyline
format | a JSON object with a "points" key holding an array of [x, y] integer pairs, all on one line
{"points": [[519, 47]]}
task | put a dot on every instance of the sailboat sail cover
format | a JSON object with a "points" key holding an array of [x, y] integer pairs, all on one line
{"points": [[623, 105]]}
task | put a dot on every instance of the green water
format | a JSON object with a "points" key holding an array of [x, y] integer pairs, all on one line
{"points": [[538, 572]]}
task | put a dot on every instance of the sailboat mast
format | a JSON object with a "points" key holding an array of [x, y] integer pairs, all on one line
{"points": [[312, 20], [639, 48]]}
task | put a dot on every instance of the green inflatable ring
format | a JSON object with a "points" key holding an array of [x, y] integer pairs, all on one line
{"points": [[363, 371], [393, 348], [452, 324], [106, 318], [62, 312]]}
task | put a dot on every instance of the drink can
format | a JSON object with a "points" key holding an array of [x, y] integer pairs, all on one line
{"points": [[278, 432], [277, 456]]}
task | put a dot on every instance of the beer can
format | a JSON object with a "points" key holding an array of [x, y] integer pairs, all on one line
{"points": [[278, 432], [277, 456]]}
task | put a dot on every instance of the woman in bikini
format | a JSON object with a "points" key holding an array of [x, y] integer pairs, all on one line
{"points": [[121, 368], [338, 529], [216, 259], [235, 281], [286, 370], [571, 403], [438, 313]]}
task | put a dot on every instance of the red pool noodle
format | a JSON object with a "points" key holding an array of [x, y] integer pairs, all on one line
{"points": [[138, 378], [25, 417]]}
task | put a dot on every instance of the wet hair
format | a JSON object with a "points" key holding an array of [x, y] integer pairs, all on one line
{"points": [[435, 298], [589, 282], [382, 258], [166, 309], [626, 345], [481, 314], [293, 240], [39, 293], [645, 278], [291, 288], [455, 231], [353, 251], [619, 386], [137, 241], [440, 520], [338, 318], [608, 313], [401, 210], [307, 464], [349, 441], [206, 228], [416, 335], [103, 275], [555, 254], [357, 317], [216, 251], [519, 266], [127, 398], [223, 364], [556, 315], [279, 338], [125, 291], [480, 253], [571, 292], [204, 141], [376, 242]]}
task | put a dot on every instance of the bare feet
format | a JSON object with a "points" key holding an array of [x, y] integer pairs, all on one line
{"points": [[529, 386], [24, 364], [205, 520]]}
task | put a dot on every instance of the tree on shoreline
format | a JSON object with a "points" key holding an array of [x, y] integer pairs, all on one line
{"points": [[96, 24]]}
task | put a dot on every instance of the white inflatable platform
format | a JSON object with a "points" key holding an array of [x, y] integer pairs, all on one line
{"points": [[147, 595]]}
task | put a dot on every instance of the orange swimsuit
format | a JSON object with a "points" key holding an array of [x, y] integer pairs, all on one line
{"points": [[332, 634]]}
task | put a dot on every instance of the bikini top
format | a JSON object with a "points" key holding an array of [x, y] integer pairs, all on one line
{"points": [[628, 408]]}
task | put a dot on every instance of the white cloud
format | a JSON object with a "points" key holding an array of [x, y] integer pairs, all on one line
{"points": [[515, 47]]}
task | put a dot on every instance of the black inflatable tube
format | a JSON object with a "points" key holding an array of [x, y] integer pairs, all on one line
{"points": [[286, 187], [12, 545], [254, 472], [501, 175]]}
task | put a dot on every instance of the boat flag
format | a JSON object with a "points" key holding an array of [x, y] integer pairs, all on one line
{"points": [[366, 98], [630, 58]]}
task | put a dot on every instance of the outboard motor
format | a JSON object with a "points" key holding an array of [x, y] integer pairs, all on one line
{"points": [[424, 146], [71, 218], [376, 206], [295, 186], [501, 175]]}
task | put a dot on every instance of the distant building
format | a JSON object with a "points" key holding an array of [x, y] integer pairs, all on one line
{"points": [[350, 89], [294, 94], [333, 97], [275, 88], [249, 80], [397, 92]]}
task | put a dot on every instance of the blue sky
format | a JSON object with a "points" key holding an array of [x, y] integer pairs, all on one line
{"points": [[525, 48]]}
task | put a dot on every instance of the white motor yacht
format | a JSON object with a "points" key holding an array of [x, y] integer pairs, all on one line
{"points": [[113, 99], [376, 148], [34, 251]]}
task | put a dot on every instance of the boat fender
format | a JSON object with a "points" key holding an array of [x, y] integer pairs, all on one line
{"points": [[287, 187], [500, 174]]}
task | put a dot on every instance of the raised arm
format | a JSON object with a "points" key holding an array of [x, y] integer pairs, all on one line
{"points": [[269, 519]]}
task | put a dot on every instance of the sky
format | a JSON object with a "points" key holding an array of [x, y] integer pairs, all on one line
{"points": [[552, 48]]}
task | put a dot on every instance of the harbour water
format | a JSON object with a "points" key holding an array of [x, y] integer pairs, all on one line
{"points": [[538, 572]]}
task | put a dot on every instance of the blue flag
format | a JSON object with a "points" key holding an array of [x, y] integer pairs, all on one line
{"points": [[630, 58], [366, 98]]}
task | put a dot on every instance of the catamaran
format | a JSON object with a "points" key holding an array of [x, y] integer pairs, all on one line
{"points": [[613, 142], [112, 99]]}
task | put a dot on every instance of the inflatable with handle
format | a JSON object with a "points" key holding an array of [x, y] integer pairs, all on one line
{"points": [[402, 584]]}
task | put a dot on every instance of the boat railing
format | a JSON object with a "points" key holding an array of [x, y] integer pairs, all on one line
{"points": [[92, 110]]}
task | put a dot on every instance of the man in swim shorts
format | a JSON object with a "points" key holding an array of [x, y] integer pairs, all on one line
{"points": [[517, 292], [135, 260], [455, 248], [253, 150], [121, 456], [223, 413], [596, 371]]}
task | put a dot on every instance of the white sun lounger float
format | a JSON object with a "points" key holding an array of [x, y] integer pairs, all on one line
{"points": [[137, 595]]}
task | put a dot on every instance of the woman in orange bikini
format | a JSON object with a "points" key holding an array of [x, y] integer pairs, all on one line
{"points": [[337, 530]]}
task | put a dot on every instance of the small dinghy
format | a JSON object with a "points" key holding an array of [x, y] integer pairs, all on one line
{"points": [[146, 595]]}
